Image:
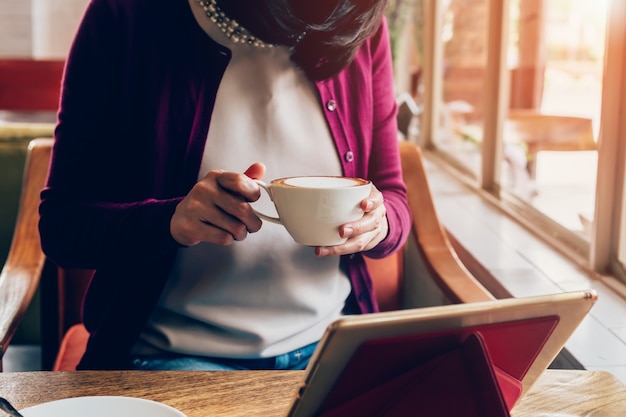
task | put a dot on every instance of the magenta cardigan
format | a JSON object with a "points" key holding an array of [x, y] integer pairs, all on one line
{"points": [[137, 95]]}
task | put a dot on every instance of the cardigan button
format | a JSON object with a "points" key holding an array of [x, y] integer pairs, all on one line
{"points": [[349, 156], [331, 105]]}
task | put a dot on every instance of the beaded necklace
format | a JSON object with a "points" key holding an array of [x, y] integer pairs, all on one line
{"points": [[233, 31]]}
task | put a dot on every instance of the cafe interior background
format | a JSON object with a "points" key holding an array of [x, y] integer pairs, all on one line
{"points": [[518, 106]]}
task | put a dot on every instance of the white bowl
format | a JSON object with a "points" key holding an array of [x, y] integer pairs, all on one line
{"points": [[101, 406]]}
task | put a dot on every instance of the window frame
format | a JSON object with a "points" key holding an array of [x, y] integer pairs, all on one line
{"points": [[600, 255]]}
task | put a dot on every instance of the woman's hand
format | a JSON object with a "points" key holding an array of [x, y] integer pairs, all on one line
{"points": [[365, 233], [217, 208]]}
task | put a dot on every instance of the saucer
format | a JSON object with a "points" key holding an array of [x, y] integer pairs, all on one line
{"points": [[101, 406]]}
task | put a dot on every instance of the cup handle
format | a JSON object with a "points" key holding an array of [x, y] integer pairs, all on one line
{"points": [[265, 216]]}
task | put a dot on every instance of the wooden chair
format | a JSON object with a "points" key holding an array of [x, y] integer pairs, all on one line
{"points": [[426, 272], [20, 275], [549, 132]]}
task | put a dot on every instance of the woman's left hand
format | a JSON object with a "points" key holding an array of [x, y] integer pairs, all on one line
{"points": [[365, 233]]}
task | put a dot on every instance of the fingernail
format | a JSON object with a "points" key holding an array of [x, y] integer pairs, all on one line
{"points": [[321, 251], [347, 231]]}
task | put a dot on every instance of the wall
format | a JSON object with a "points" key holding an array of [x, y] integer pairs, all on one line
{"points": [[15, 28], [41, 29]]}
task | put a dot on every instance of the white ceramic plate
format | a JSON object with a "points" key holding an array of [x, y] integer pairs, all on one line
{"points": [[101, 406]]}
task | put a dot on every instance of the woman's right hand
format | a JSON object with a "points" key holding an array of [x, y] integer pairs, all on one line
{"points": [[217, 208]]}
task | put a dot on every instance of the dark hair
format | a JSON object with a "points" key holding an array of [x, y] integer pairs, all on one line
{"points": [[324, 34]]}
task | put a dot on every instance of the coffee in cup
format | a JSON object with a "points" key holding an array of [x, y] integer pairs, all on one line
{"points": [[313, 207]]}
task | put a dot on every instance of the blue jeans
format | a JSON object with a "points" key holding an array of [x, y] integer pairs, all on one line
{"points": [[294, 360]]}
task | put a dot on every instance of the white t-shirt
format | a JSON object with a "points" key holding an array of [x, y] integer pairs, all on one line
{"points": [[266, 295]]}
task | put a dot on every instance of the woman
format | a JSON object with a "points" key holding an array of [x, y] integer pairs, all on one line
{"points": [[168, 111]]}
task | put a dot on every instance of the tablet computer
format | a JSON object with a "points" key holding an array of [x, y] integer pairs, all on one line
{"points": [[475, 358]]}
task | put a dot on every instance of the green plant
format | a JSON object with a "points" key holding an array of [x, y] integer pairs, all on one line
{"points": [[399, 13]]}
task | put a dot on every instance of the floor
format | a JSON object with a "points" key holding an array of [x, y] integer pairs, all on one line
{"points": [[22, 358], [522, 263], [526, 266]]}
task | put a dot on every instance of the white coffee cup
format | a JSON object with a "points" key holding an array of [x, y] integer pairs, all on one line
{"points": [[313, 207]]}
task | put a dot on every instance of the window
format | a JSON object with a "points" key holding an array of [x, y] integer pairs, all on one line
{"points": [[524, 98]]}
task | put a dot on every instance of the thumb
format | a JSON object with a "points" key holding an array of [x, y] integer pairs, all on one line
{"points": [[255, 171]]}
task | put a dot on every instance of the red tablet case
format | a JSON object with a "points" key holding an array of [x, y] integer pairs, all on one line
{"points": [[471, 372]]}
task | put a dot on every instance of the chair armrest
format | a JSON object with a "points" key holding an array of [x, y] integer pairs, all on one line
{"points": [[22, 270], [442, 262]]}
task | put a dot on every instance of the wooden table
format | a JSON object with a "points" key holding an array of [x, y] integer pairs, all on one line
{"points": [[269, 393], [537, 131]]}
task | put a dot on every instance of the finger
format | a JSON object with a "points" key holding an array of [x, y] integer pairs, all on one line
{"points": [[195, 222], [370, 221], [255, 171], [359, 243], [213, 223], [222, 228], [362, 236], [226, 206], [233, 212], [240, 184], [207, 232], [218, 200], [373, 201]]}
